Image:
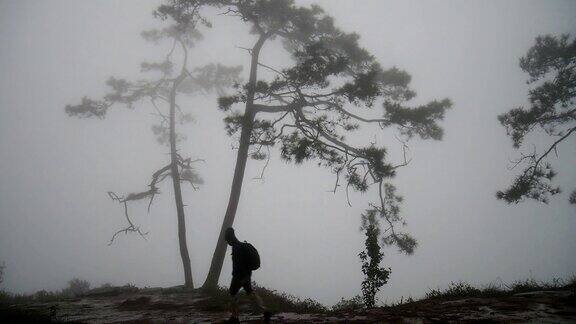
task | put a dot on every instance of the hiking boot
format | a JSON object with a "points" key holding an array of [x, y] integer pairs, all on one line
{"points": [[267, 316], [233, 320]]}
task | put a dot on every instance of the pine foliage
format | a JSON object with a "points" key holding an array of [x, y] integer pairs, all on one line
{"points": [[551, 65]]}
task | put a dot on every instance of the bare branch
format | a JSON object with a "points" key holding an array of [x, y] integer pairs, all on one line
{"points": [[131, 227], [249, 50], [553, 146]]}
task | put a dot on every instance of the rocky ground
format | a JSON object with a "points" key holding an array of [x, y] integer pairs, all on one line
{"points": [[130, 305]]}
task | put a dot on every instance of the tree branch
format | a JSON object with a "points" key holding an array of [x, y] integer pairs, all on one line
{"points": [[131, 227], [346, 112], [553, 147], [272, 109]]}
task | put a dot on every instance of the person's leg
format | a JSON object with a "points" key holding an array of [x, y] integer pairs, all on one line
{"points": [[256, 299], [234, 310], [234, 288]]}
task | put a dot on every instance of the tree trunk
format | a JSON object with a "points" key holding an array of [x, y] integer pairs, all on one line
{"points": [[177, 190], [241, 158]]}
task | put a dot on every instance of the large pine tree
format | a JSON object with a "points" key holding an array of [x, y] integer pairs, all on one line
{"points": [[309, 107]]}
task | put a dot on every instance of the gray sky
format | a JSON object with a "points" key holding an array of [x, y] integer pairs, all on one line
{"points": [[56, 219]]}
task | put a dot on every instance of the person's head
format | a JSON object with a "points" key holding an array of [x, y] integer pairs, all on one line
{"points": [[230, 237]]}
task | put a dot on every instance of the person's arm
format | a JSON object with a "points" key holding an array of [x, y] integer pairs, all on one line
{"points": [[236, 268]]}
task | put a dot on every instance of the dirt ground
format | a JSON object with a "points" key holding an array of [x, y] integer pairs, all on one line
{"points": [[161, 306]]}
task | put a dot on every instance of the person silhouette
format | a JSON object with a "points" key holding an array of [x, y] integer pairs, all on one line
{"points": [[242, 267]]}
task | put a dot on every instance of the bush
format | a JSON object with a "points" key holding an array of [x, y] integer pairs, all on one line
{"points": [[455, 289], [43, 295], [10, 298], [572, 284], [76, 287], [2, 267], [105, 286], [349, 305], [528, 285], [286, 302], [4, 296]]}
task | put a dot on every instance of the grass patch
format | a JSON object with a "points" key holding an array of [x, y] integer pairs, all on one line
{"points": [[464, 290], [219, 299], [454, 290], [286, 302], [353, 304]]}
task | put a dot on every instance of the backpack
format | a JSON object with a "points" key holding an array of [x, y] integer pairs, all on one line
{"points": [[252, 256]]}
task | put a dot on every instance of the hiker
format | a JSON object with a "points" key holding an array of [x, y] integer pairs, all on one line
{"points": [[245, 259]]}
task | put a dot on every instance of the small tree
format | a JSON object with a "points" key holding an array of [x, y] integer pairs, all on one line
{"points": [[309, 107], [551, 65], [163, 90], [374, 275]]}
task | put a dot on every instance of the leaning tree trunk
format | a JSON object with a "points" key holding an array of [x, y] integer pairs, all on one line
{"points": [[177, 190], [241, 158]]}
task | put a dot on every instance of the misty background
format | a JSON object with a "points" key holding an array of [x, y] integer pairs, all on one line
{"points": [[56, 218]]}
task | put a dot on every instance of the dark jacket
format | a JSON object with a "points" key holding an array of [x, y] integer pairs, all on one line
{"points": [[240, 257]]}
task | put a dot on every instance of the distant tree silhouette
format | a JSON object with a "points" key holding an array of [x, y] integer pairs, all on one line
{"points": [[161, 91], [551, 64], [311, 105]]}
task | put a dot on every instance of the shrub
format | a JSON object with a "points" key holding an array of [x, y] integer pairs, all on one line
{"points": [[76, 287], [4, 296], [286, 302], [106, 286], [349, 305], [2, 267], [455, 289], [528, 285]]}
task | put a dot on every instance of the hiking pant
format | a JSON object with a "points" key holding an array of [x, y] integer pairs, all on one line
{"points": [[241, 282], [246, 283]]}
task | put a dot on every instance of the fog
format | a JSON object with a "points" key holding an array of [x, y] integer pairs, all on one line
{"points": [[56, 218]]}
